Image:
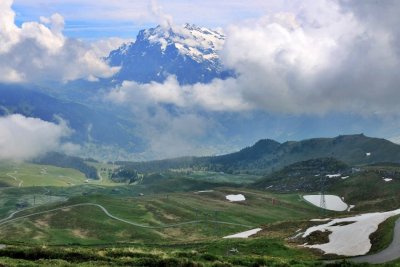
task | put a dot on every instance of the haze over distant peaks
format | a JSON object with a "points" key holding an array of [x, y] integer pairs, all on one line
{"points": [[188, 52]]}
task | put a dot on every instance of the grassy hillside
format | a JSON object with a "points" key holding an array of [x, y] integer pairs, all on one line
{"points": [[267, 156], [303, 176], [177, 217], [255, 252], [26, 174], [365, 188], [84, 236], [64, 161], [368, 191], [67, 225]]}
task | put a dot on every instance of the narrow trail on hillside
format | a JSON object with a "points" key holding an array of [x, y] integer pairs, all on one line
{"points": [[11, 175], [100, 177], [392, 252], [10, 219]]}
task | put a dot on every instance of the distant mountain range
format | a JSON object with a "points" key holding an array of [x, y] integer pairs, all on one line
{"points": [[267, 155], [188, 52]]}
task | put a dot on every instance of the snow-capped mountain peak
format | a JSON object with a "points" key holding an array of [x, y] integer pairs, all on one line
{"points": [[197, 42], [189, 52]]}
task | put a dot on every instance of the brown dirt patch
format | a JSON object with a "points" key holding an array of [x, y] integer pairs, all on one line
{"points": [[80, 233]]}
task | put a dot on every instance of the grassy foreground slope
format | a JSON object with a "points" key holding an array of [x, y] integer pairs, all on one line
{"points": [[56, 230], [255, 252], [85, 236], [90, 225]]}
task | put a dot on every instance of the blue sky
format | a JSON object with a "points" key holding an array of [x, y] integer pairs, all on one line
{"points": [[88, 19]]}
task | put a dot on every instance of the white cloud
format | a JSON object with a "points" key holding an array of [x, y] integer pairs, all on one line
{"points": [[308, 58], [176, 135], [220, 95], [38, 51], [171, 132], [165, 20], [103, 47], [315, 58], [24, 138]]}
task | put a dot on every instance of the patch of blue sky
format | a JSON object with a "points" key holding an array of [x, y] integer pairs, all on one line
{"points": [[89, 19]]}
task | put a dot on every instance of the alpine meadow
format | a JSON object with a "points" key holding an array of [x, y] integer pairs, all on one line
{"points": [[199, 133]]}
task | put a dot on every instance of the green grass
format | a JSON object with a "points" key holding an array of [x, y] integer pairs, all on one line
{"points": [[142, 256], [103, 172], [28, 175], [383, 237], [39, 175], [39, 240], [368, 192], [89, 225], [104, 241], [217, 177]]}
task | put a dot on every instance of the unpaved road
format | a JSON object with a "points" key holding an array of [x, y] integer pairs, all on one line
{"points": [[10, 219], [11, 175], [392, 252]]}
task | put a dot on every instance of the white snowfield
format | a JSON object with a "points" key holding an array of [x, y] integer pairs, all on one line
{"points": [[198, 43], [332, 202], [234, 198], [244, 234], [351, 239]]}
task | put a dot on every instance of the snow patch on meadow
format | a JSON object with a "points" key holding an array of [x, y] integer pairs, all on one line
{"points": [[332, 202], [351, 239], [245, 234], [234, 198]]}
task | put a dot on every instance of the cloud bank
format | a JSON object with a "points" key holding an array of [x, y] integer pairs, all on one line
{"points": [[23, 138], [314, 58], [302, 57], [39, 52]]}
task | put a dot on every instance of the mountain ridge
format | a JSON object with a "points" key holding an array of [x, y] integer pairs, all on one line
{"points": [[189, 52], [267, 155]]}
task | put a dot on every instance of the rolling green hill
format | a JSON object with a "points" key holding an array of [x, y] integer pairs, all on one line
{"points": [[52, 215], [64, 161], [303, 176], [267, 156]]}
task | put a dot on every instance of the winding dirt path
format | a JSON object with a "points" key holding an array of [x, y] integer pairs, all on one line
{"points": [[11, 175], [10, 219]]}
